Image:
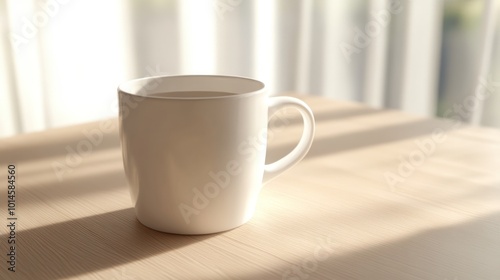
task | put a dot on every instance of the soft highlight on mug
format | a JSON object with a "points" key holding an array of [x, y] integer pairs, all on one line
{"points": [[194, 149]]}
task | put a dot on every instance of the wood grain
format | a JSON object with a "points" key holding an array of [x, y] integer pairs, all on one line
{"points": [[333, 216]]}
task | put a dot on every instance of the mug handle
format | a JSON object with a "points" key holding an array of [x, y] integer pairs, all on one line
{"points": [[275, 104]]}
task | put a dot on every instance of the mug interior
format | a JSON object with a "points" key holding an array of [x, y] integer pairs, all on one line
{"points": [[192, 87]]}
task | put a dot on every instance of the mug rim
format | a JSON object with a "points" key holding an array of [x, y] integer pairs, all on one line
{"points": [[122, 88]]}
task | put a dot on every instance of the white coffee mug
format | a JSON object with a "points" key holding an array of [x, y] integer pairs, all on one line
{"points": [[194, 149]]}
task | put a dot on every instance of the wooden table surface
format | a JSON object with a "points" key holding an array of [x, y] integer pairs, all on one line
{"points": [[381, 195]]}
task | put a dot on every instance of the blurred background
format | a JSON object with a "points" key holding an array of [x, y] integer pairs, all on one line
{"points": [[62, 60]]}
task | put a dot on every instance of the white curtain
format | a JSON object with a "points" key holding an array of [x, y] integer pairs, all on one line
{"points": [[61, 60]]}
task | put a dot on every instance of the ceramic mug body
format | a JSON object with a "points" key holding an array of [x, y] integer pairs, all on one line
{"points": [[194, 160]]}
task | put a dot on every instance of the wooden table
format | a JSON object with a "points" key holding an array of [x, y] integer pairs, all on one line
{"points": [[344, 212]]}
